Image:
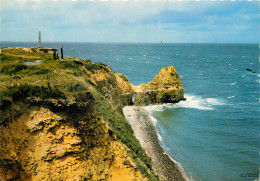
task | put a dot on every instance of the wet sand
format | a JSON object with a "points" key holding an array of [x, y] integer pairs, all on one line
{"points": [[145, 132]]}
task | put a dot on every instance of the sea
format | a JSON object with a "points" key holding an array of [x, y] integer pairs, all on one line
{"points": [[214, 134]]}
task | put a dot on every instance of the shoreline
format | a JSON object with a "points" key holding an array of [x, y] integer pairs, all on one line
{"points": [[144, 130]]}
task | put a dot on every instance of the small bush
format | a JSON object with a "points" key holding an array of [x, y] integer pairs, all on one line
{"points": [[68, 64], [78, 62], [124, 77], [4, 57], [42, 71], [76, 87], [36, 70], [18, 93], [12, 68], [96, 66], [111, 79], [5, 102]]}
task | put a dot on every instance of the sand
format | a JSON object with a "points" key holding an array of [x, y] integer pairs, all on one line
{"points": [[145, 132]]}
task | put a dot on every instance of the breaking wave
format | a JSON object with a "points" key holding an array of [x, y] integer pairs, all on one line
{"points": [[192, 101]]}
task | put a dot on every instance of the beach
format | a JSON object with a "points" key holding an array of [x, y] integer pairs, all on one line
{"points": [[145, 132]]}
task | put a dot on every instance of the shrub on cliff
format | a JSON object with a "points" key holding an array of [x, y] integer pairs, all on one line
{"points": [[12, 68], [21, 92]]}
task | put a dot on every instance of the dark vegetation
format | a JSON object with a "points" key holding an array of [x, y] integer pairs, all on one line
{"points": [[72, 63], [21, 92], [124, 77]]}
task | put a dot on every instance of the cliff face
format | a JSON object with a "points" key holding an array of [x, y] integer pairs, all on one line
{"points": [[62, 120], [164, 88], [41, 145]]}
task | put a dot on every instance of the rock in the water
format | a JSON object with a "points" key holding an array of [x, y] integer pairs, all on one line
{"points": [[164, 88], [250, 70]]}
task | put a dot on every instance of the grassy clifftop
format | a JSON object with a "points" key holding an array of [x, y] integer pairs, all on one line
{"points": [[87, 97]]}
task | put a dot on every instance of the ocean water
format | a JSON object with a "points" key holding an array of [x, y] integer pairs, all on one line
{"points": [[214, 134]]}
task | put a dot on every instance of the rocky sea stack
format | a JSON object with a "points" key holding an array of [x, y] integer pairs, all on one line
{"points": [[164, 88]]}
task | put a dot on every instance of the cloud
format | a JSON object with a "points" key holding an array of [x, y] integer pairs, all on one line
{"points": [[130, 21]]}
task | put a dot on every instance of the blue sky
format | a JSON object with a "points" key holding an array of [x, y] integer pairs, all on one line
{"points": [[131, 21]]}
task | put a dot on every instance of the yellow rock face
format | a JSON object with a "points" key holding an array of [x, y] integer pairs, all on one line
{"points": [[164, 88], [42, 145], [167, 76]]}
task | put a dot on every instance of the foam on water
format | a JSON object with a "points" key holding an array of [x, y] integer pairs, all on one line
{"points": [[234, 83], [230, 97], [192, 101], [154, 121], [197, 102]]}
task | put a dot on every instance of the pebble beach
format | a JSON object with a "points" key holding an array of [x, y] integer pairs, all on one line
{"points": [[145, 132]]}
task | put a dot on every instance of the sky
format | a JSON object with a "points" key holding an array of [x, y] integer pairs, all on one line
{"points": [[146, 21]]}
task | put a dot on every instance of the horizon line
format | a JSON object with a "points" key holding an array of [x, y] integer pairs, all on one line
{"points": [[132, 42]]}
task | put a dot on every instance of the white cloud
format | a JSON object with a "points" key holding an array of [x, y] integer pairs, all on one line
{"points": [[105, 12], [121, 21]]}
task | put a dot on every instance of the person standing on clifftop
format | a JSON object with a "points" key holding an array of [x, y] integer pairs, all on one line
{"points": [[54, 55], [61, 52]]}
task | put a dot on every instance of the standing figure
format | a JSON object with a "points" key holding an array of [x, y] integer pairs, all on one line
{"points": [[54, 55], [61, 52]]}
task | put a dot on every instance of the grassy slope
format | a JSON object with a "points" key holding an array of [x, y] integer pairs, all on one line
{"points": [[61, 81]]}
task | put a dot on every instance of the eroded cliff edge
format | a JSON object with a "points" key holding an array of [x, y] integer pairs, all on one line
{"points": [[62, 120]]}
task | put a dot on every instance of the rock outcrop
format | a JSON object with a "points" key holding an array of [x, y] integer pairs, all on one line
{"points": [[164, 88], [42, 145]]}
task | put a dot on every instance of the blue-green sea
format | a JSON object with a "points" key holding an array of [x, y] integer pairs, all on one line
{"points": [[214, 134]]}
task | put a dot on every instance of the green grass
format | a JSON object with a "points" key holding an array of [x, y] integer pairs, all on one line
{"points": [[19, 54]]}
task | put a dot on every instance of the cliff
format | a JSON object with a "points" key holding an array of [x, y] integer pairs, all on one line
{"points": [[41, 145], [62, 120], [164, 88]]}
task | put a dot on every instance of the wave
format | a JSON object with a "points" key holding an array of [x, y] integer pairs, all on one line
{"points": [[234, 83], [230, 97], [154, 121], [192, 101], [197, 102]]}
